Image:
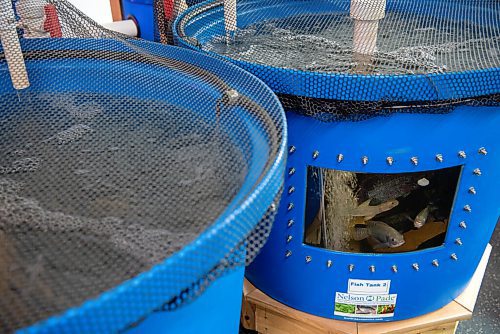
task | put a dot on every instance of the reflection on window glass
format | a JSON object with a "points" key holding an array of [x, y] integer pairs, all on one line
{"points": [[378, 213]]}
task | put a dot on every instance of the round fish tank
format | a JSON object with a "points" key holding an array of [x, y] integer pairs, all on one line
{"points": [[132, 177], [392, 110]]}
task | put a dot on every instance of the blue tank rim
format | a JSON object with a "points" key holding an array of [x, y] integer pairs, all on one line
{"points": [[254, 203], [424, 87]]}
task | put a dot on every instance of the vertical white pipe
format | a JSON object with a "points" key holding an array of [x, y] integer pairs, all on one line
{"points": [[179, 7], [230, 18], [12, 47], [366, 15]]}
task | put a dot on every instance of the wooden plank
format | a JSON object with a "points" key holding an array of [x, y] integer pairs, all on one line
{"points": [[269, 311], [116, 10], [248, 310], [441, 318], [469, 297]]}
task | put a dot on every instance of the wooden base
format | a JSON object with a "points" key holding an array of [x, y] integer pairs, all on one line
{"points": [[266, 315]]}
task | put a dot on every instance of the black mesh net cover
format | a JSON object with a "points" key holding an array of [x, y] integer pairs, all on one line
{"points": [[127, 164], [353, 59]]}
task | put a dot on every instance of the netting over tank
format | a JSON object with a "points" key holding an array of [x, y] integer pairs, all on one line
{"points": [[131, 174], [352, 59]]}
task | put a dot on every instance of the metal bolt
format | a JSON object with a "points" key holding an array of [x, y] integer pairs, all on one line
{"points": [[477, 172], [462, 225], [415, 266], [315, 154], [483, 151], [351, 267], [340, 157], [290, 206], [372, 268], [458, 241], [232, 94], [395, 268], [308, 259], [414, 160], [292, 149], [435, 263], [461, 154], [364, 160], [390, 161], [472, 190], [290, 222], [291, 171], [439, 157], [288, 253], [289, 238], [273, 207], [467, 208], [291, 189], [329, 263], [454, 256]]}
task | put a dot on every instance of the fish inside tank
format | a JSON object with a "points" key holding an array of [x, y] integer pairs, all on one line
{"points": [[378, 213]]}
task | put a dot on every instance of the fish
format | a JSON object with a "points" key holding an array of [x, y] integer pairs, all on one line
{"points": [[369, 211], [421, 217], [361, 309], [385, 235], [387, 188]]}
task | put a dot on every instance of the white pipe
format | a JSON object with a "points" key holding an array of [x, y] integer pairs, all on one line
{"points": [[179, 7], [12, 47], [366, 15], [126, 27], [230, 18]]}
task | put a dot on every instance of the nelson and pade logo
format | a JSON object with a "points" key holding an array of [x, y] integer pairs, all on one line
{"points": [[364, 298]]}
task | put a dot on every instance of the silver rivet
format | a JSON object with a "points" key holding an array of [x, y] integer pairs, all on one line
{"points": [[415, 266], [372, 268], [288, 253], [329, 263], [315, 154], [477, 171], [435, 263], [351, 267], [290, 206], [273, 207], [462, 225], [454, 256], [472, 190], [458, 241], [467, 208], [308, 259], [439, 157], [483, 151], [364, 160], [414, 160], [461, 154], [290, 222], [394, 268], [291, 171], [289, 238], [292, 149], [390, 161], [291, 189], [340, 157]]}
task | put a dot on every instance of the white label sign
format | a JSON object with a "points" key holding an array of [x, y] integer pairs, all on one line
{"points": [[372, 287]]}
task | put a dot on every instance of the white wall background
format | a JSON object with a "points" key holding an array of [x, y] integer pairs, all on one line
{"points": [[98, 10]]}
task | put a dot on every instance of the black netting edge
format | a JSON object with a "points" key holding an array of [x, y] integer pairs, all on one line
{"points": [[327, 110], [241, 255]]}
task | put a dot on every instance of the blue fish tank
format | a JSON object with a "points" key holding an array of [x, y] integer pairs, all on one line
{"points": [[390, 193], [136, 180]]}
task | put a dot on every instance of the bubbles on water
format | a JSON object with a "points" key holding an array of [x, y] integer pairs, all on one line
{"points": [[323, 43], [21, 166], [74, 133]]}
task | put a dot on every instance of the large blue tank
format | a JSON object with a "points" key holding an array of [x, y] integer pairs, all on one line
{"points": [[369, 124], [175, 293]]}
